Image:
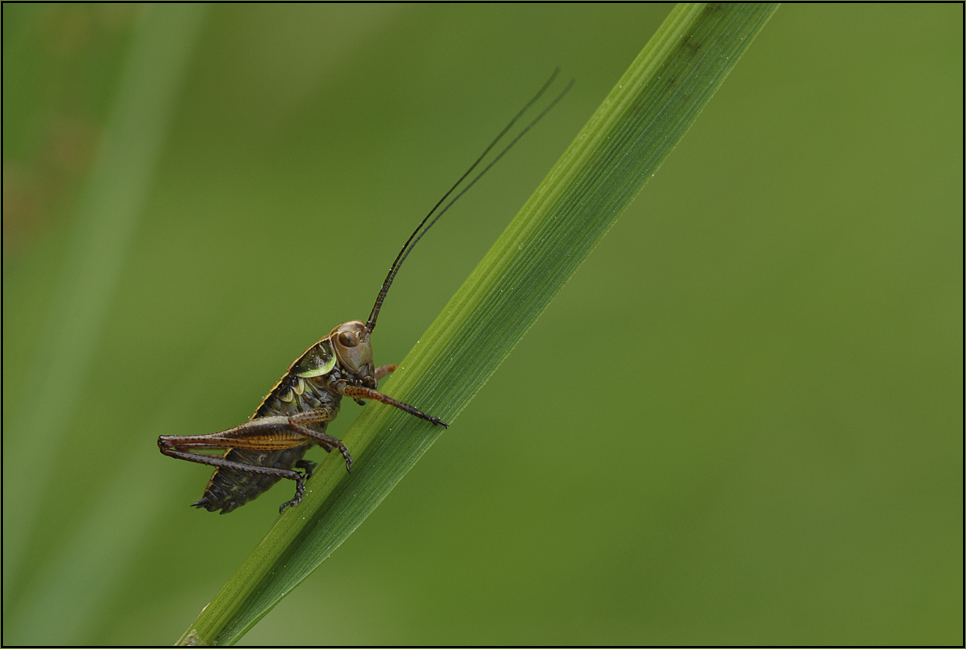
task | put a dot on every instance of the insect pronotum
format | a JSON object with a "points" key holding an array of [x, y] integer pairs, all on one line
{"points": [[294, 415]]}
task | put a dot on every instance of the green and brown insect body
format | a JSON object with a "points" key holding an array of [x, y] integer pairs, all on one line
{"points": [[294, 416], [290, 420], [306, 387]]}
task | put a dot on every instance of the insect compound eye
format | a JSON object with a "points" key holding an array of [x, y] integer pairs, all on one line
{"points": [[348, 339]]}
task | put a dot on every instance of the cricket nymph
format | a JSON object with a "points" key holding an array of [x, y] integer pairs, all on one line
{"points": [[295, 414], [290, 420]]}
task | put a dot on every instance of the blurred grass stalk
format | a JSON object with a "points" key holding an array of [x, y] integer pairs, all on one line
{"points": [[104, 223], [623, 144]]}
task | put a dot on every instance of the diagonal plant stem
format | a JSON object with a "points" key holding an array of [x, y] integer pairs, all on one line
{"points": [[622, 145]]}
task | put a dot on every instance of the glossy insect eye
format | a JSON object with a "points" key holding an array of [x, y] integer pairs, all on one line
{"points": [[347, 339]]}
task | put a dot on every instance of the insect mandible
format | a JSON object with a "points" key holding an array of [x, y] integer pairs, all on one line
{"points": [[294, 415]]}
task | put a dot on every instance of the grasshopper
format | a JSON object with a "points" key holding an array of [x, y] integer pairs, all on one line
{"points": [[294, 415]]}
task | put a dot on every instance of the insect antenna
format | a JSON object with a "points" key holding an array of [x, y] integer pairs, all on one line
{"points": [[421, 230]]}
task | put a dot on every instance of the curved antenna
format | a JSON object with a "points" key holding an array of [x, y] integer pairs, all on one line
{"points": [[420, 230]]}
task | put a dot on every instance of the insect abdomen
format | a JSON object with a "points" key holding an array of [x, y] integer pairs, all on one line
{"points": [[230, 488]]}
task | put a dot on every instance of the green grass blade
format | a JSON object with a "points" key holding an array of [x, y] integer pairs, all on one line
{"points": [[622, 145]]}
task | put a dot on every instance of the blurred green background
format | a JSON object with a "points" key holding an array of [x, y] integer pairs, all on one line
{"points": [[741, 422]]}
